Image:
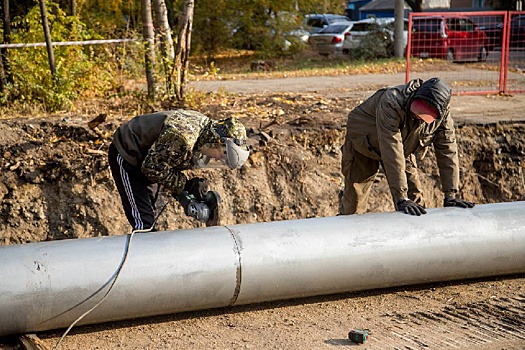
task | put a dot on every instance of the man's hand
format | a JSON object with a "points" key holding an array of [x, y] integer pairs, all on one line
{"points": [[198, 187], [460, 203], [410, 207]]}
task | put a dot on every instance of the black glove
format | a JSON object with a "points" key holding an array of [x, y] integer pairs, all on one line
{"points": [[198, 187], [460, 203], [410, 207]]}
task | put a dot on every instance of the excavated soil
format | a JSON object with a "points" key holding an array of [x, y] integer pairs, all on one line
{"points": [[55, 184]]}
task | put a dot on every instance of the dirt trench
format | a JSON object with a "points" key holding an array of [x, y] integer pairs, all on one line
{"points": [[55, 183]]}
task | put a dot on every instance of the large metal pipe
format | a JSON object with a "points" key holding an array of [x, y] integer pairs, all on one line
{"points": [[48, 285]]}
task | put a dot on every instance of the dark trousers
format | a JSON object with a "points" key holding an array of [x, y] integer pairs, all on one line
{"points": [[138, 194]]}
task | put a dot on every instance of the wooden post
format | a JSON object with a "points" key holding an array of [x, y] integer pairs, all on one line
{"points": [[399, 23], [49, 45]]}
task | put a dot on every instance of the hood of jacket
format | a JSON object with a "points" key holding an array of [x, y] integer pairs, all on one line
{"points": [[434, 91]]}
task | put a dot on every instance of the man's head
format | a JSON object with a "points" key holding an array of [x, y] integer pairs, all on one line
{"points": [[431, 100], [225, 145], [424, 111]]}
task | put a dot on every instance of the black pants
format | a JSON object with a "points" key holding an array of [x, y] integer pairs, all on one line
{"points": [[138, 194]]}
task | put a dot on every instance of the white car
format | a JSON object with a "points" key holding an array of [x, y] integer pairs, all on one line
{"points": [[361, 28], [329, 40], [315, 22]]}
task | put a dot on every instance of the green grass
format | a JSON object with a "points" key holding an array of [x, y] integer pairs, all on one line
{"points": [[236, 65]]}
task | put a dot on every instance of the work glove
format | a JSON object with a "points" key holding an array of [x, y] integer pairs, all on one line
{"points": [[410, 207], [198, 187], [460, 203]]}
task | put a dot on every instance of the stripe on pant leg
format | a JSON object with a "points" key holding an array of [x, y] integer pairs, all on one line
{"points": [[129, 193]]}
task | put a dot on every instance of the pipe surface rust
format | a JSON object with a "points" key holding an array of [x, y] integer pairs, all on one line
{"points": [[48, 285]]}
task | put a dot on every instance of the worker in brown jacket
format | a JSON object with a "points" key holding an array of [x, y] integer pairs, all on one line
{"points": [[388, 129]]}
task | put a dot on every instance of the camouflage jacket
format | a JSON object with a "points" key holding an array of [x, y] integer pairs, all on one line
{"points": [[383, 129], [161, 144]]}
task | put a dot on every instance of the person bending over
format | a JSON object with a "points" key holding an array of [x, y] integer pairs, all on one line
{"points": [[154, 149], [388, 129]]}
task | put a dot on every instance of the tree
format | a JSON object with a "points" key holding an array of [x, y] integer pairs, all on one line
{"points": [[182, 53], [73, 7], [5, 69], [214, 20], [149, 52], [108, 18], [166, 42], [21, 7], [163, 27]]}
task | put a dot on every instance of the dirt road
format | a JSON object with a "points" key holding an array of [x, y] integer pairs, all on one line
{"points": [[472, 109]]}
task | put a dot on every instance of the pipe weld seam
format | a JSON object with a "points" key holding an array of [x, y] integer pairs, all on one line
{"points": [[238, 273]]}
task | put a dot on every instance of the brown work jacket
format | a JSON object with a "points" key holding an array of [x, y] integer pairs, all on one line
{"points": [[382, 128]]}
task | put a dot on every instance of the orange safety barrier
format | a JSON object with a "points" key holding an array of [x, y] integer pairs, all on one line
{"points": [[475, 52]]}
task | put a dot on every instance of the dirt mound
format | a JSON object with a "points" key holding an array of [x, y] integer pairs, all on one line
{"points": [[55, 181]]}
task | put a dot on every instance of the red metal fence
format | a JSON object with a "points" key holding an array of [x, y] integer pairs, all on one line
{"points": [[475, 52]]}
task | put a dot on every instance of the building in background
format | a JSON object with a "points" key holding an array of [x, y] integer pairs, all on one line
{"points": [[380, 9], [435, 4], [477, 4], [353, 9], [510, 5], [360, 9]]}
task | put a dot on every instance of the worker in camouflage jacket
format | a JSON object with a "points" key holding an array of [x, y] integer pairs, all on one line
{"points": [[154, 149], [388, 129]]}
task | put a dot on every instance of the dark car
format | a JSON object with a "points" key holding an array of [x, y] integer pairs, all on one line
{"points": [[517, 33], [454, 38]]}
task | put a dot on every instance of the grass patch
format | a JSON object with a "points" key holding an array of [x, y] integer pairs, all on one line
{"points": [[240, 65]]}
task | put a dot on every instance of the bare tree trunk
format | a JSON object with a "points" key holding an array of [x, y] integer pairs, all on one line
{"points": [[147, 32], [163, 26], [73, 7], [183, 49], [166, 41], [6, 69], [47, 34]]}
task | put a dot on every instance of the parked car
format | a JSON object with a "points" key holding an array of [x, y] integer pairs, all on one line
{"points": [[389, 25], [454, 38], [361, 28], [315, 22], [517, 33], [330, 39]]}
